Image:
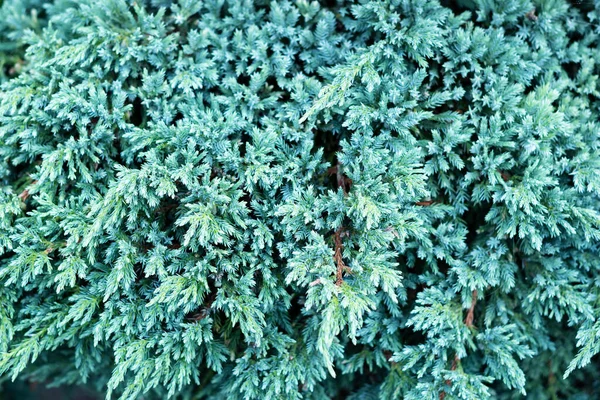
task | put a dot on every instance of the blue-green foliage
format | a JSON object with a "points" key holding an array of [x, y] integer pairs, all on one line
{"points": [[243, 199], [17, 19]]}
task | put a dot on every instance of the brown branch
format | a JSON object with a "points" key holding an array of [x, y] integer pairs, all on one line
{"points": [[469, 323], [470, 316], [531, 15], [424, 203], [455, 363], [24, 195], [174, 246], [388, 356], [453, 368], [505, 176], [337, 256], [204, 311], [315, 282], [343, 182]]}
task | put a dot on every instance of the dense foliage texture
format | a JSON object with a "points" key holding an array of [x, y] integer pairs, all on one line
{"points": [[243, 199]]}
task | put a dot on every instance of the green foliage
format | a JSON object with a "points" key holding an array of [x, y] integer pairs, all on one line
{"points": [[237, 199]]}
